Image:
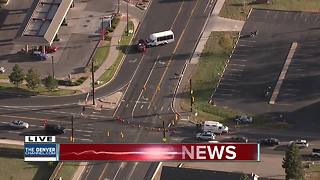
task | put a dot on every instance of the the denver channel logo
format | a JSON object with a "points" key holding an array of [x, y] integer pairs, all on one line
{"points": [[41, 148]]}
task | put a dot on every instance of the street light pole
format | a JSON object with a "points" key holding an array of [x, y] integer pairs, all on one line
{"points": [[92, 77], [52, 66], [127, 18], [118, 7], [72, 134], [102, 30]]}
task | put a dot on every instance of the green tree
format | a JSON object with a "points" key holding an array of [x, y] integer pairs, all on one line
{"points": [[292, 164], [51, 83], [17, 76], [32, 78]]}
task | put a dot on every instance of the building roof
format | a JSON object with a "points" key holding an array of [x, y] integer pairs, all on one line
{"points": [[43, 21], [169, 173]]}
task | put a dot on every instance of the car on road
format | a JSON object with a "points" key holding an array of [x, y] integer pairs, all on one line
{"points": [[269, 142], [316, 152], [243, 119], [54, 128], [215, 127], [239, 139], [299, 143], [17, 124], [208, 136], [142, 45]]}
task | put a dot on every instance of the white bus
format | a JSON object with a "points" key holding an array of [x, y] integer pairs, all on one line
{"points": [[160, 38]]}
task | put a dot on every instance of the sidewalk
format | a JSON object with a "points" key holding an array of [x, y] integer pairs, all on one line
{"points": [[11, 142]]}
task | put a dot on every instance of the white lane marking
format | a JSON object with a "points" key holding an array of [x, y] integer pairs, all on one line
{"points": [[87, 135], [233, 69], [141, 106], [132, 170], [15, 132], [231, 64], [145, 84], [121, 167]]}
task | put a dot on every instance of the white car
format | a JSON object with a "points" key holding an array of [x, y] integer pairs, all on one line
{"points": [[208, 136], [17, 124], [2, 70], [300, 143]]}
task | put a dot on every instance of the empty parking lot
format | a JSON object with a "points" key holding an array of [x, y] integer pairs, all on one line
{"points": [[258, 60]]}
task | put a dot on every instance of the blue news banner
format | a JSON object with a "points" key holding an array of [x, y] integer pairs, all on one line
{"points": [[41, 152]]}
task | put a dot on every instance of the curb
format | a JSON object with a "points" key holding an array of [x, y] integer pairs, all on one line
{"points": [[82, 167]]}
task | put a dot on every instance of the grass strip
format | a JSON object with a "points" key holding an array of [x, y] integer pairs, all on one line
{"points": [[204, 80], [124, 42], [67, 170], [238, 9]]}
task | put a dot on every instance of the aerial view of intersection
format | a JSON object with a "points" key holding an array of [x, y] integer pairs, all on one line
{"points": [[87, 86]]}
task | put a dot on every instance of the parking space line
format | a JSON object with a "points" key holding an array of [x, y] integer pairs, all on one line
{"points": [[223, 94], [237, 65], [244, 60], [227, 89], [233, 69], [229, 79], [283, 73]]}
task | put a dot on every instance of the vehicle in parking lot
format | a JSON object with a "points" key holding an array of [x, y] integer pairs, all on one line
{"points": [[300, 143], [54, 128], [239, 139], [208, 136], [2, 70], [243, 119], [49, 49], [316, 152], [269, 142], [17, 124], [39, 55]]}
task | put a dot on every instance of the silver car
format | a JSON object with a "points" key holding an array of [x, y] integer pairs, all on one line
{"points": [[300, 143], [17, 124], [208, 136]]}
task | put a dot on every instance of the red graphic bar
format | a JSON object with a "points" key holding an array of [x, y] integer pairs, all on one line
{"points": [[160, 152]]}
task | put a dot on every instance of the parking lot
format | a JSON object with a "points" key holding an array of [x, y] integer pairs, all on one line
{"points": [[258, 61], [77, 40]]}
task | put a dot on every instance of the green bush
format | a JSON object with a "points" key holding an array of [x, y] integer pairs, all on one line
{"points": [[81, 80], [110, 29], [107, 38], [114, 22]]}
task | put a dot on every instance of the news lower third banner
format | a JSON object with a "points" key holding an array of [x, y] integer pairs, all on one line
{"points": [[44, 148], [160, 152]]}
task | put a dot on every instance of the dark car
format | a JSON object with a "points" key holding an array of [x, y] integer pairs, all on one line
{"points": [[239, 139], [54, 128], [39, 55], [269, 142], [142, 45]]}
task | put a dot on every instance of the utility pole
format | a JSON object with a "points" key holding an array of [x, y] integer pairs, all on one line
{"points": [[191, 95], [72, 134], [92, 76], [52, 65], [102, 30], [164, 139], [118, 7], [127, 18]]}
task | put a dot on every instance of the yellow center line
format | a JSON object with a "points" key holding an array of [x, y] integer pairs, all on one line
{"points": [[174, 52]]}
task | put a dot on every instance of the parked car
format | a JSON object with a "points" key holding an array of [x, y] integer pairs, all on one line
{"points": [[243, 119], [316, 152], [49, 49], [208, 136], [269, 142], [239, 139], [2, 70], [300, 143], [54, 128], [17, 124], [142, 45], [39, 55]]}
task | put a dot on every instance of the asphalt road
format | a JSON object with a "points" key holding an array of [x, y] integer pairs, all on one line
{"points": [[149, 107]]}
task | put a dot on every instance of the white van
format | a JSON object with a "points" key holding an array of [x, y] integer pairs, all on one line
{"points": [[160, 38], [215, 127]]}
